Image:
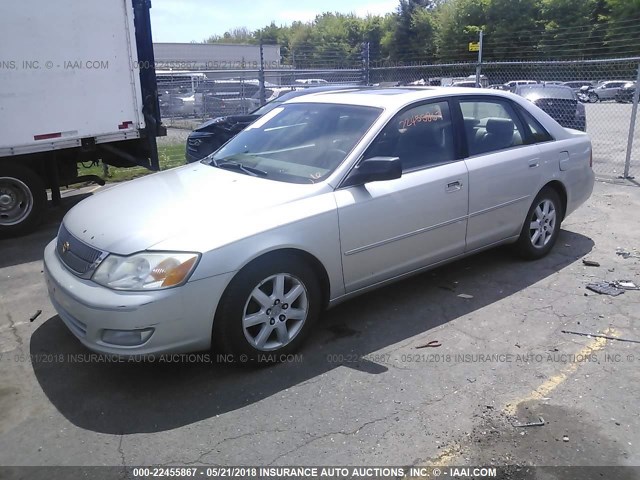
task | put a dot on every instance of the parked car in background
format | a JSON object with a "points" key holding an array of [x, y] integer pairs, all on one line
{"points": [[214, 133], [228, 97], [587, 94], [607, 90], [576, 85], [466, 83], [552, 82], [559, 101], [511, 86], [626, 92], [312, 81], [498, 86], [324, 198]]}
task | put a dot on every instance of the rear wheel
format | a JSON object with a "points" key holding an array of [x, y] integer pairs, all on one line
{"points": [[268, 309], [23, 199], [542, 225]]}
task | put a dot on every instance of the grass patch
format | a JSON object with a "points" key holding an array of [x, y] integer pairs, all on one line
{"points": [[169, 155]]}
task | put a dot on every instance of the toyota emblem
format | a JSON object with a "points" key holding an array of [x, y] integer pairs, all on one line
{"points": [[65, 247]]}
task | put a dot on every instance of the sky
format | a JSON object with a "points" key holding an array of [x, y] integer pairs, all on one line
{"points": [[187, 20]]}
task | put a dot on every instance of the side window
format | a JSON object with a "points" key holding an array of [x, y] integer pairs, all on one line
{"points": [[538, 134], [421, 136], [490, 125]]}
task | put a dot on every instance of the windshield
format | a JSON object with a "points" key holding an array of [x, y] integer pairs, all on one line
{"points": [[299, 142]]}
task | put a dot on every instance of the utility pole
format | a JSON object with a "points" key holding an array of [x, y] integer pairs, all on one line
{"points": [[263, 97], [632, 125], [365, 62], [479, 65]]}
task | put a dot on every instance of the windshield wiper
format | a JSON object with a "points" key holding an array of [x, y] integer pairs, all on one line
{"points": [[239, 167]]}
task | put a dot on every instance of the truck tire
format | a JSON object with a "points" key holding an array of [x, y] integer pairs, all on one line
{"points": [[23, 199]]}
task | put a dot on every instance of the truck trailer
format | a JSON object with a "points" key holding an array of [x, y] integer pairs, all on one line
{"points": [[77, 85]]}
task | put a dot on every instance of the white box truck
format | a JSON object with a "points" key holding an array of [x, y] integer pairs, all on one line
{"points": [[77, 84]]}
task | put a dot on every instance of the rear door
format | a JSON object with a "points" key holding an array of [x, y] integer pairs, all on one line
{"points": [[504, 172]]}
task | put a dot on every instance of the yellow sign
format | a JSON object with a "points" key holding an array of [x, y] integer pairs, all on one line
{"points": [[474, 46]]}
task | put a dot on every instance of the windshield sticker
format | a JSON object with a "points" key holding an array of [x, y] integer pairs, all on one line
{"points": [[434, 116]]}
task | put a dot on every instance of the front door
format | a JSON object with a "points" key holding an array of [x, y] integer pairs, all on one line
{"points": [[392, 227]]}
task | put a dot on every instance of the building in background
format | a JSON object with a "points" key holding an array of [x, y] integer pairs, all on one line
{"points": [[214, 56]]}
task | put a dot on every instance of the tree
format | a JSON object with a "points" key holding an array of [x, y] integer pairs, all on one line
{"points": [[458, 23], [567, 26], [235, 35], [623, 30], [513, 29], [440, 30], [410, 34]]}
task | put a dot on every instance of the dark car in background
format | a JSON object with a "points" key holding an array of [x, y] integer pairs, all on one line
{"points": [[576, 85], [559, 101], [214, 133], [625, 94]]}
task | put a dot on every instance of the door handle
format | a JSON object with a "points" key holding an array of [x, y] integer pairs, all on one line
{"points": [[534, 163], [453, 186]]}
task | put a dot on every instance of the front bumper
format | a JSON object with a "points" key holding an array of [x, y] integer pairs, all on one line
{"points": [[181, 318]]}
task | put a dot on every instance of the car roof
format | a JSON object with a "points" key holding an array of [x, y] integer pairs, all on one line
{"points": [[391, 97]]}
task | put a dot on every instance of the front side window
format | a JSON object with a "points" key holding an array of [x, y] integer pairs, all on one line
{"points": [[490, 125], [297, 143], [421, 136]]}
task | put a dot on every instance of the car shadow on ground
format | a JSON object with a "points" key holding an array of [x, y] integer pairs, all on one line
{"points": [[126, 398], [19, 250]]}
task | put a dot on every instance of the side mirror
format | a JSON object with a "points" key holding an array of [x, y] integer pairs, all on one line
{"points": [[374, 169]]}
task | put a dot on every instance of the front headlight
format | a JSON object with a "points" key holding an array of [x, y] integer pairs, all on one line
{"points": [[145, 271]]}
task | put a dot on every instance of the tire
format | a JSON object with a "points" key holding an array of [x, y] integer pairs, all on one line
{"points": [[23, 200], [593, 97], [531, 246], [253, 344]]}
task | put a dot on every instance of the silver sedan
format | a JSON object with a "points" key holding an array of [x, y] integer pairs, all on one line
{"points": [[324, 198]]}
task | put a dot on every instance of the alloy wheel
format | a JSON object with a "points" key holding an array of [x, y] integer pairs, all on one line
{"points": [[275, 312]]}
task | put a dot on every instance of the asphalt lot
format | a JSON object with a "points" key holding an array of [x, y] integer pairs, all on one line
{"points": [[361, 391]]}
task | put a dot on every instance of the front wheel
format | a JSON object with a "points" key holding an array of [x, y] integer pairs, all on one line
{"points": [[593, 97], [268, 309], [23, 199], [541, 227]]}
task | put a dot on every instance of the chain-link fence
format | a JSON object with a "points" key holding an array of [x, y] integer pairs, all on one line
{"points": [[600, 97], [186, 97], [601, 100]]}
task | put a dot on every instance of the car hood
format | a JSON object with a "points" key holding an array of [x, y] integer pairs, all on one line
{"points": [[141, 213]]}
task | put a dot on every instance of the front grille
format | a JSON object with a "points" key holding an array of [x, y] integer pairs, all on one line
{"points": [[79, 257]]}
